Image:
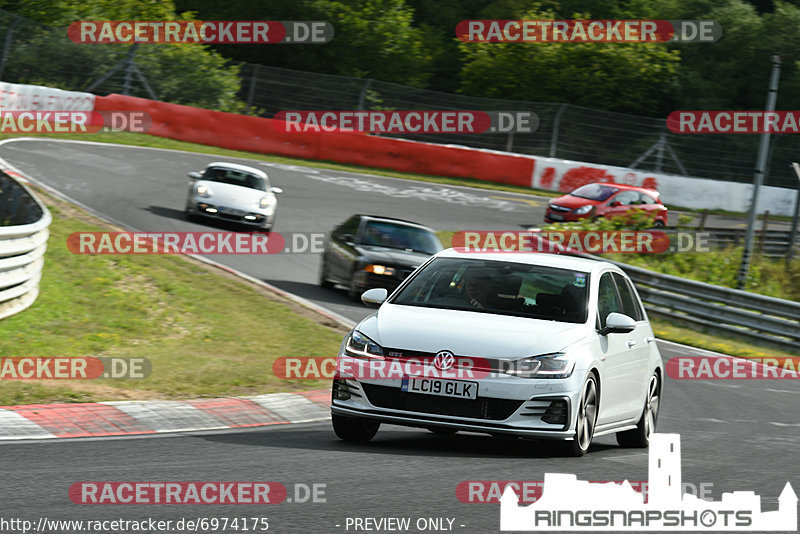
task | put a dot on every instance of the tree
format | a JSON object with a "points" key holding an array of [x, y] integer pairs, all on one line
{"points": [[373, 38], [626, 77], [190, 74]]}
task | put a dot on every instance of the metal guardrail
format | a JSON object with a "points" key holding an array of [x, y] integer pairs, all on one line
{"points": [[772, 243], [23, 240], [717, 308]]}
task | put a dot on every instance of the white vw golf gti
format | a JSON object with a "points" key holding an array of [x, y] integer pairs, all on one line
{"points": [[533, 345]]}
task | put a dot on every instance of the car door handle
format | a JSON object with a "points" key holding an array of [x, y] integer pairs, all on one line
{"points": [[649, 339], [631, 343]]}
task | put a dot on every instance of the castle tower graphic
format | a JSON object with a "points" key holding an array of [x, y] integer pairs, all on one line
{"points": [[664, 473], [569, 504]]}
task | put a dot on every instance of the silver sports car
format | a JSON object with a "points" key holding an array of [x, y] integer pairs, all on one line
{"points": [[233, 192]]}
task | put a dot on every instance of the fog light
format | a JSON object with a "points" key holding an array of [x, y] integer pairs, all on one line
{"points": [[211, 210], [250, 217], [379, 269], [340, 390]]}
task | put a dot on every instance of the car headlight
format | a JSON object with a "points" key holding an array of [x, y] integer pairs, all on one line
{"points": [[555, 365], [379, 269], [583, 210], [203, 191], [360, 346], [265, 203]]}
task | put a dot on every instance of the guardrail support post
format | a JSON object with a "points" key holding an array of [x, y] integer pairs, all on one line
{"points": [[795, 218], [362, 96], [554, 134], [252, 89], [510, 142], [758, 179], [764, 223]]}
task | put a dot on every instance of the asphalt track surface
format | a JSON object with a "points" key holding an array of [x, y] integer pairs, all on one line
{"points": [[736, 435]]}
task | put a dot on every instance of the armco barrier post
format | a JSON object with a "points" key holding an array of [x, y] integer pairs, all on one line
{"points": [[796, 217]]}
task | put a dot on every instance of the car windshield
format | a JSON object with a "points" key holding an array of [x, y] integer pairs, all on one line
{"points": [[400, 236], [234, 177], [594, 192], [499, 287]]}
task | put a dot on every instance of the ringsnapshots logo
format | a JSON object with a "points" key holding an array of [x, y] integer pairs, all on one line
{"points": [[569, 504]]}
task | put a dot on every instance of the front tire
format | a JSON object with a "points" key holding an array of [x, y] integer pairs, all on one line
{"points": [[639, 437], [353, 429], [354, 291], [323, 275], [586, 419]]}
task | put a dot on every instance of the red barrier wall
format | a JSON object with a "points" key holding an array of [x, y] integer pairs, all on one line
{"points": [[268, 136]]}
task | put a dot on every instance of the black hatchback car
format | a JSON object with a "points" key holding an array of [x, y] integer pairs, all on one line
{"points": [[368, 251]]}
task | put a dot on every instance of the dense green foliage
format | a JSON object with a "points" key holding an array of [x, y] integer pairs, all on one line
{"points": [[413, 42], [41, 53]]}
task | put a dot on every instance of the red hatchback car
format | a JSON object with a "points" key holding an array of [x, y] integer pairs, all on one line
{"points": [[593, 201]]}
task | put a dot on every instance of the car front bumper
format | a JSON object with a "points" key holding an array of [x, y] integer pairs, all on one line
{"points": [[259, 218], [507, 405]]}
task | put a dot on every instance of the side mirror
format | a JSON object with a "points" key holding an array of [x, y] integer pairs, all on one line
{"points": [[618, 323], [347, 238], [374, 297], [194, 175], [276, 190], [615, 203]]}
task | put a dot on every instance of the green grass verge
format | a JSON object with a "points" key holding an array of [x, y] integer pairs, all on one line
{"points": [[206, 334]]}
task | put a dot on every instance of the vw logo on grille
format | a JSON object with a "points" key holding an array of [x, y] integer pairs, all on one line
{"points": [[444, 360]]}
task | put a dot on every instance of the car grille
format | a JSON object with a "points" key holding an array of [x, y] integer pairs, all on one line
{"points": [[479, 363], [556, 207], [480, 408]]}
